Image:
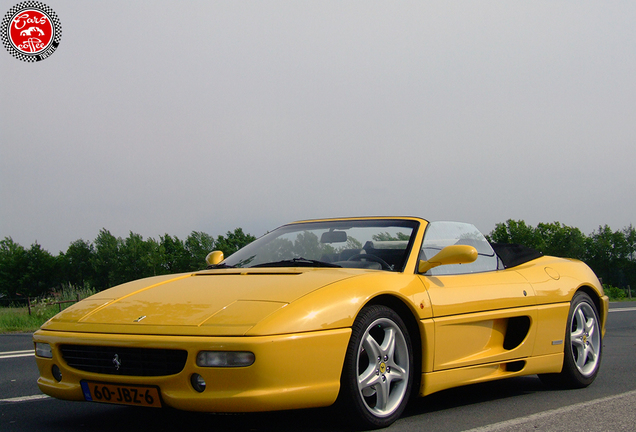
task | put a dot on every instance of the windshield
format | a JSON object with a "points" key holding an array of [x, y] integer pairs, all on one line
{"points": [[441, 234], [381, 244]]}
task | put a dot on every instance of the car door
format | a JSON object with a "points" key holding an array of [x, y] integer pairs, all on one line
{"points": [[482, 313]]}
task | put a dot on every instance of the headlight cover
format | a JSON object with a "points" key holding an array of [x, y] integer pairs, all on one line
{"points": [[43, 350], [225, 358]]}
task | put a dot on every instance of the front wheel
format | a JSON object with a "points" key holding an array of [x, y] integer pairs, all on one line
{"points": [[378, 370], [583, 346]]}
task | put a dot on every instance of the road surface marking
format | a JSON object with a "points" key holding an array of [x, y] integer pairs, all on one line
{"points": [[521, 420], [25, 398], [14, 354], [623, 309]]}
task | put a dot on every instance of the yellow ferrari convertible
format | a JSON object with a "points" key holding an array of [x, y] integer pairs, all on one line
{"points": [[364, 313]]}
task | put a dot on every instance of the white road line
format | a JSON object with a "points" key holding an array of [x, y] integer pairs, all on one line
{"points": [[623, 309], [25, 398], [521, 420], [14, 354]]}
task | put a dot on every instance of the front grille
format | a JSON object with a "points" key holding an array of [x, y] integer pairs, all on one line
{"points": [[124, 361]]}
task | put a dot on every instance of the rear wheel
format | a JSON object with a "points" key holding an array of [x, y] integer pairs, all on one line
{"points": [[583, 346], [378, 370]]}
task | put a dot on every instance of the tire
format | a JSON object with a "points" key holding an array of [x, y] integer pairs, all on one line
{"points": [[378, 370], [583, 346]]}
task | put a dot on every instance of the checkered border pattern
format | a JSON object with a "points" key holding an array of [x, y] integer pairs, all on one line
{"points": [[8, 18]]}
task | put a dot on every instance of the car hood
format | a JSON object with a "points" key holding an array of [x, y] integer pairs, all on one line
{"points": [[225, 302]]}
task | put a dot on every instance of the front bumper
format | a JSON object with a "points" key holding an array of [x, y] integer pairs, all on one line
{"points": [[291, 371]]}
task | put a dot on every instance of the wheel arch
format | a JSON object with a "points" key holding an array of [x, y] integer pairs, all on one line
{"points": [[598, 302], [575, 360], [411, 321]]}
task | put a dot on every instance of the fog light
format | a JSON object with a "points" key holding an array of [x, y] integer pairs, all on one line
{"points": [[43, 350], [198, 383], [225, 358], [57, 373]]}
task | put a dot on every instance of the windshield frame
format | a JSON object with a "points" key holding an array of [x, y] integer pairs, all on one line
{"points": [[245, 253]]}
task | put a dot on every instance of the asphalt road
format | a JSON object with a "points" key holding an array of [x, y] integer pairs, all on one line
{"points": [[518, 404]]}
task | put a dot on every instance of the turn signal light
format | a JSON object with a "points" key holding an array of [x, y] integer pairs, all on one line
{"points": [[225, 358], [43, 350]]}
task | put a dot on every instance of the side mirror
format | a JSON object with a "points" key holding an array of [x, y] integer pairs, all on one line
{"points": [[455, 254], [214, 257]]}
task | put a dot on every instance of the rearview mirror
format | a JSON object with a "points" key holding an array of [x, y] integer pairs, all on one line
{"points": [[214, 257], [455, 254], [333, 237]]}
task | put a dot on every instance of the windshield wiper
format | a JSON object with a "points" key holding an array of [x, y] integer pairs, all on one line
{"points": [[298, 262], [219, 266]]}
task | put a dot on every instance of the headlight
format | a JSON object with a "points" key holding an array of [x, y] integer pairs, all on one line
{"points": [[43, 350], [225, 358]]}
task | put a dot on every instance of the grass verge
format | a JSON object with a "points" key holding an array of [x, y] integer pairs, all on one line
{"points": [[17, 319]]}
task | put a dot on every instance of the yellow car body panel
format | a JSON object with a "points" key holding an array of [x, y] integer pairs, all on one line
{"points": [[478, 292], [441, 380], [337, 305], [260, 387], [479, 338], [297, 321], [219, 303]]}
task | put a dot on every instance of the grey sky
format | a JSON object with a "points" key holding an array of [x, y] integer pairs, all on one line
{"points": [[167, 117]]}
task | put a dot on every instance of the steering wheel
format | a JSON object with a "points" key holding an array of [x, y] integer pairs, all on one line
{"points": [[369, 257]]}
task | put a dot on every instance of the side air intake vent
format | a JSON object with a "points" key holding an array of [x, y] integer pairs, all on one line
{"points": [[515, 366], [516, 332]]}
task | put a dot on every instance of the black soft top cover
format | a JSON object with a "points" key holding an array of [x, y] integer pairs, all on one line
{"points": [[513, 255]]}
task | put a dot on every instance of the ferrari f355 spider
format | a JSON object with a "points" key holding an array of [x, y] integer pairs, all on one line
{"points": [[364, 313]]}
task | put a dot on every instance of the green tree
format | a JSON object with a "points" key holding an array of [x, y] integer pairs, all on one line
{"points": [[76, 264], [233, 241], [41, 273], [307, 245], [13, 267], [517, 232], [561, 240], [174, 256], [630, 265], [385, 236], [155, 257], [277, 250], [105, 261], [199, 245], [137, 258], [609, 254]]}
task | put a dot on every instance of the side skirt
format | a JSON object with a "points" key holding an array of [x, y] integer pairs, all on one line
{"points": [[441, 380]]}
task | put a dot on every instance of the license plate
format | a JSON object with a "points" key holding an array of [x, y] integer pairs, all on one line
{"points": [[121, 394]]}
